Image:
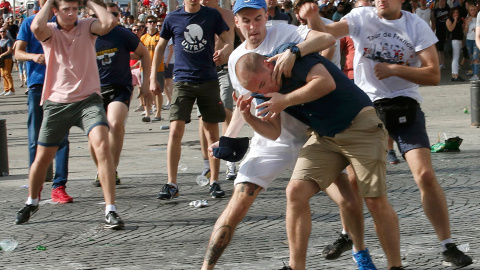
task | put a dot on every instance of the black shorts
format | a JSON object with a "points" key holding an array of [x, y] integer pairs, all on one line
{"points": [[121, 93]]}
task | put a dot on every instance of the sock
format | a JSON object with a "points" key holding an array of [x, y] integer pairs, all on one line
{"points": [[445, 242], [214, 181], [172, 184], [344, 232], [109, 208], [32, 201], [206, 164]]}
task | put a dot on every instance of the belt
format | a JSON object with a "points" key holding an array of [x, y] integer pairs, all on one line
{"points": [[222, 67]]}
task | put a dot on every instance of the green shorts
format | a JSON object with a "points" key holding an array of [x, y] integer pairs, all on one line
{"points": [[207, 95], [58, 118]]}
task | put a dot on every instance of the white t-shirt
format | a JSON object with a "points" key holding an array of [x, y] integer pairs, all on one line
{"points": [[293, 131], [378, 40], [336, 55], [471, 29], [167, 51], [424, 14]]}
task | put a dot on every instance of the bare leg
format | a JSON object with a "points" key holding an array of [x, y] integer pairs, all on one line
{"points": [[211, 133], [38, 170], [116, 115], [243, 197], [298, 220], [174, 149], [433, 199]]}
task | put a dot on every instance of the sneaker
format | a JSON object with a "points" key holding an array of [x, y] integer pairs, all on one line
{"points": [[156, 119], [24, 214], [113, 221], [139, 109], [146, 119], [397, 268], [60, 195], [392, 157], [96, 183], [454, 257], [9, 93], [166, 107], [470, 73], [363, 260], [168, 192], [342, 244], [3, 93], [231, 171], [457, 79], [474, 78], [206, 172], [216, 191]]}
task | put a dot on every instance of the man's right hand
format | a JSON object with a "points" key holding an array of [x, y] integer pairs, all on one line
{"points": [[39, 59], [210, 149]]}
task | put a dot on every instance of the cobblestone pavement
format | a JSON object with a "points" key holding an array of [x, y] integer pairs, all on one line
{"points": [[174, 235]]}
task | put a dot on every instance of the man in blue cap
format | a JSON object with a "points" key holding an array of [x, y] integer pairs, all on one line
{"points": [[268, 159]]}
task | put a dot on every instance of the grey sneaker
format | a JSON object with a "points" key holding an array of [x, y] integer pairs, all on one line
{"points": [[333, 251], [392, 157], [113, 221], [168, 192]]}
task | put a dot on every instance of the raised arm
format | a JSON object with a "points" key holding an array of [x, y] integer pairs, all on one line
{"points": [[106, 21], [39, 24]]}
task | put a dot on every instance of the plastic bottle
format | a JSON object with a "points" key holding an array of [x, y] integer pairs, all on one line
{"points": [[202, 180], [183, 167], [8, 245]]}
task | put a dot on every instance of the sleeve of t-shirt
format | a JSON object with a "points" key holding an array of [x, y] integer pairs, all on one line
{"points": [[131, 40], [355, 21], [425, 37], [9, 43], [23, 32], [221, 25], [166, 32]]}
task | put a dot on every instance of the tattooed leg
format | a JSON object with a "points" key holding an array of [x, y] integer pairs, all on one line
{"points": [[243, 197]]}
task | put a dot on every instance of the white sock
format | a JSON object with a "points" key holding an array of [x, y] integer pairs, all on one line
{"points": [[214, 181], [32, 201], [206, 164], [109, 208], [344, 232], [445, 242]]}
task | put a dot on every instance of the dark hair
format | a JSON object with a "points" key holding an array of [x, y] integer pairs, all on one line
{"points": [[450, 14], [56, 2], [151, 17]]}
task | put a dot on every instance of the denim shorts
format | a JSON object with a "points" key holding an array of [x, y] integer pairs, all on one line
{"points": [[413, 136], [58, 118]]}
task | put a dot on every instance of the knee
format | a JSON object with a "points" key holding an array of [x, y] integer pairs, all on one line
{"points": [[426, 179], [117, 127], [295, 192]]}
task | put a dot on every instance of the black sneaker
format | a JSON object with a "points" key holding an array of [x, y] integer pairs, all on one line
{"points": [[24, 214], [397, 268], [455, 257], [96, 183], [216, 191], [286, 268], [342, 244], [113, 221], [168, 192]]}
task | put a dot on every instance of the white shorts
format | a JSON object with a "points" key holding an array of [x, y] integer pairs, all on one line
{"points": [[262, 167]]}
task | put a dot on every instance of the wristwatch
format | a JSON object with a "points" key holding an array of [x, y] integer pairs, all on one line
{"points": [[296, 51]]}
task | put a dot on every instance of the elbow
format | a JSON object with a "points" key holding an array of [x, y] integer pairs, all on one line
{"points": [[331, 40], [435, 79]]}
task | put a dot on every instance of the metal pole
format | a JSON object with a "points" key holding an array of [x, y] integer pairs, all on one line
{"points": [[172, 5], [226, 4], [133, 9], [475, 103], [3, 148]]}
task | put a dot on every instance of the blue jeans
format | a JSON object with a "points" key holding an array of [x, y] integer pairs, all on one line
{"points": [[35, 117]]}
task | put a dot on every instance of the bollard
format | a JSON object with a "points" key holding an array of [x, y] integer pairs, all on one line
{"points": [[475, 103], [3, 148]]}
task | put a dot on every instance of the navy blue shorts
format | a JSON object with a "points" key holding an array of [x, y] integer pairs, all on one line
{"points": [[169, 71], [121, 93], [412, 136]]}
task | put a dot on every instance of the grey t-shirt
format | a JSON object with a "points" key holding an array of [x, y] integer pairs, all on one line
{"points": [[4, 44]]}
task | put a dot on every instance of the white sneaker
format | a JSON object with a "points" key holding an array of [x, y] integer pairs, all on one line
{"points": [[3, 93], [231, 171], [474, 78], [9, 93], [139, 109]]}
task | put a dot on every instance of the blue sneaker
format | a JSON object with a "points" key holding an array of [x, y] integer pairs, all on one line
{"points": [[363, 260]]}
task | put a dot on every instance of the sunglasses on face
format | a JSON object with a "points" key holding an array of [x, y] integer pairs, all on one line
{"points": [[151, 22], [135, 30], [159, 25]]}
